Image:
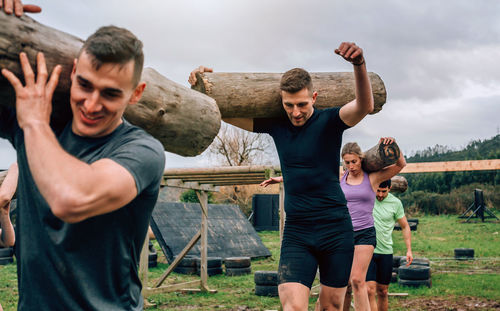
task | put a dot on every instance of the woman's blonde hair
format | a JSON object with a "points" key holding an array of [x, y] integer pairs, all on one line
{"points": [[353, 148]]}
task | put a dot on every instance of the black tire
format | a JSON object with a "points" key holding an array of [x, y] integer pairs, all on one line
{"points": [[212, 271], [188, 262], [212, 262], [414, 272], [413, 226], [397, 227], [186, 270], [266, 278], [417, 262], [237, 262], [415, 220], [396, 261], [266, 290], [415, 283], [6, 260], [395, 270], [152, 263], [464, 253], [238, 271], [6, 252], [394, 277], [153, 257]]}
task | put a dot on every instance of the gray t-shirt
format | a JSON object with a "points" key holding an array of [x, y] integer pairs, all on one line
{"points": [[92, 264]]}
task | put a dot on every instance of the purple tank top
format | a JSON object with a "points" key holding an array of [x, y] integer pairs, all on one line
{"points": [[360, 200]]}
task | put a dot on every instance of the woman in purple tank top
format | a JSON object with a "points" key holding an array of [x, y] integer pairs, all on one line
{"points": [[359, 188]]}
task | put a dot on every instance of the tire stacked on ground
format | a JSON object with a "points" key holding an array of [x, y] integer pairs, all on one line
{"points": [[413, 226], [464, 253], [214, 266], [417, 274], [266, 283], [395, 266], [6, 256], [187, 265], [236, 266], [153, 256]]}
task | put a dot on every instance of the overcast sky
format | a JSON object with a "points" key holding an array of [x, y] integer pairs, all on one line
{"points": [[439, 60]]}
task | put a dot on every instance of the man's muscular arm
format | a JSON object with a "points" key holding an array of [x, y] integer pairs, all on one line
{"points": [[405, 229], [73, 189], [356, 110]]}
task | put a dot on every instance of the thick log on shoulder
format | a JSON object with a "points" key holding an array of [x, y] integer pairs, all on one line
{"points": [[399, 184], [380, 156], [185, 121], [257, 95]]}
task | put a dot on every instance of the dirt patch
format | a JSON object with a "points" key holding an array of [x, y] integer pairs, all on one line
{"points": [[445, 304]]}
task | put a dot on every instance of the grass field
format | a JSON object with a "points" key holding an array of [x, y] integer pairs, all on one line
{"points": [[456, 285]]}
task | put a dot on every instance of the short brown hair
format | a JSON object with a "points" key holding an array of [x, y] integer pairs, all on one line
{"points": [[111, 44], [352, 148], [295, 80]]}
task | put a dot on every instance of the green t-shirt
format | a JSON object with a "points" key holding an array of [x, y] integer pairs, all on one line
{"points": [[385, 215]]}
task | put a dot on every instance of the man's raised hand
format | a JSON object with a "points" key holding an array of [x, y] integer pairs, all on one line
{"points": [[351, 53], [33, 100]]}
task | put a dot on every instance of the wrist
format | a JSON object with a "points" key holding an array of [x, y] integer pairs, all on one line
{"points": [[361, 63]]}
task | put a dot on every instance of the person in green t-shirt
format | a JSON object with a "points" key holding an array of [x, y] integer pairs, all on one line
{"points": [[387, 210]]}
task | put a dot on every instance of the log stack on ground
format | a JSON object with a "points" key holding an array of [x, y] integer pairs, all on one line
{"points": [[256, 95], [185, 121]]}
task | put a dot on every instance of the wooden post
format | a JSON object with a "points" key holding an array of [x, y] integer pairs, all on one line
{"points": [[257, 95], [144, 264], [183, 120], [282, 210], [203, 198]]}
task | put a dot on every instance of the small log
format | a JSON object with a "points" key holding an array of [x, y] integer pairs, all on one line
{"points": [[257, 95], [184, 121], [399, 184], [380, 156]]}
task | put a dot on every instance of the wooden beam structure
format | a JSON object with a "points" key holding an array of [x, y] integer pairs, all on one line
{"points": [[452, 166]]}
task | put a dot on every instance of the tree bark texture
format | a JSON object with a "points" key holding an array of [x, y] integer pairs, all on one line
{"points": [[184, 121], [257, 95], [399, 184], [380, 156]]}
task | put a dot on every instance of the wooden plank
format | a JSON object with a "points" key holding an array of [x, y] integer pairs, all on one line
{"points": [[177, 183], [144, 262], [452, 166], [220, 169], [181, 255], [170, 288]]}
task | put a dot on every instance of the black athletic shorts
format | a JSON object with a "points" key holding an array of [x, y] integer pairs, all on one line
{"points": [[365, 237], [307, 245], [380, 269]]}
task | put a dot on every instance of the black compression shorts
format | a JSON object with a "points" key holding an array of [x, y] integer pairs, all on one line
{"points": [[380, 269], [305, 246]]}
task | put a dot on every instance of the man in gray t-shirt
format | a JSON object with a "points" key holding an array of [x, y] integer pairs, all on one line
{"points": [[86, 191]]}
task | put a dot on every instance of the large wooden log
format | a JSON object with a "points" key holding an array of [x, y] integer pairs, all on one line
{"points": [[185, 121], [380, 156], [399, 184], [256, 95]]}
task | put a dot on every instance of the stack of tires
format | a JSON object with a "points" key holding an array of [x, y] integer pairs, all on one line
{"points": [[266, 283], [464, 253], [395, 267], [6, 256], [188, 265], [214, 266], [236, 266], [412, 222], [153, 256], [417, 274]]}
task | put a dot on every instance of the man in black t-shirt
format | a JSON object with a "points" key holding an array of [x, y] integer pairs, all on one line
{"points": [[318, 228], [86, 191]]}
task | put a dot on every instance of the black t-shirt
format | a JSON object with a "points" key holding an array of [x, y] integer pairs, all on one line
{"points": [[309, 157], [92, 264]]}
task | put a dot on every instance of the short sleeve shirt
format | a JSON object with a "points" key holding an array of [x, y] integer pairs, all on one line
{"points": [[92, 264], [385, 215], [309, 157]]}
